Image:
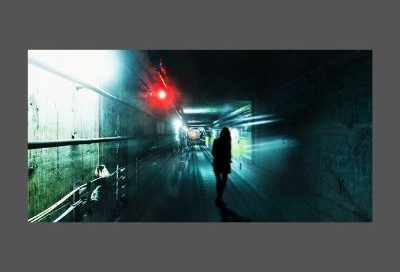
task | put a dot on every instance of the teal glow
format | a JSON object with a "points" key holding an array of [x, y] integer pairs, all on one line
{"points": [[277, 143], [177, 125], [205, 110]]}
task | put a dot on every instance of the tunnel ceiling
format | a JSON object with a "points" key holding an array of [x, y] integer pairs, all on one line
{"points": [[205, 75], [204, 114]]}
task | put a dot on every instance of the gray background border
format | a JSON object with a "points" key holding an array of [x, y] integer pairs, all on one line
{"points": [[200, 25]]}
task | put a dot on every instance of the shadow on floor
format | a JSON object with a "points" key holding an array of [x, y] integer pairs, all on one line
{"points": [[228, 215]]}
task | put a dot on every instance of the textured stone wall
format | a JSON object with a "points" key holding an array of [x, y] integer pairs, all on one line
{"points": [[326, 136]]}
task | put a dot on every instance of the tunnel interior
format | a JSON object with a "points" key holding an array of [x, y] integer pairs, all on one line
{"points": [[127, 135]]}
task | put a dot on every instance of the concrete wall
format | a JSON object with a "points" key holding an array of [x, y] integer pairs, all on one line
{"points": [[61, 109], [56, 110], [323, 145]]}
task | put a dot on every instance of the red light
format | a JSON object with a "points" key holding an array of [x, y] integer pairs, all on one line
{"points": [[161, 94], [160, 99]]}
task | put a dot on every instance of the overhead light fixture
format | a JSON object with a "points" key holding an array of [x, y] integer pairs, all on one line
{"points": [[260, 122], [206, 110]]}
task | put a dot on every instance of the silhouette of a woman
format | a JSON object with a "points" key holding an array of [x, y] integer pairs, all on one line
{"points": [[221, 151]]}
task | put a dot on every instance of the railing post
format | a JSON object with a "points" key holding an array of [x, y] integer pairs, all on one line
{"points": [[74, 197], [116, 186]]}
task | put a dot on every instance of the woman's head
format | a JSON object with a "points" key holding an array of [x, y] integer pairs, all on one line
{"points": [[225, 135]]}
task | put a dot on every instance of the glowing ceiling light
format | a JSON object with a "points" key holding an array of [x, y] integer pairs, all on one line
{"points": [[250, 118], [194, 121], [200, 110]]}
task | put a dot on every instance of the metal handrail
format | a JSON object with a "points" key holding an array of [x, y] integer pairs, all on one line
{"points": [[67, 211], [47, 211], [54, 206], [64, 142]]}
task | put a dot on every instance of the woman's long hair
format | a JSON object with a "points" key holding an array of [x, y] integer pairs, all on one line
{"points": [[225, 135]]}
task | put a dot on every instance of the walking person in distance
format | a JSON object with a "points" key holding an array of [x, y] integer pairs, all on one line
{"points": [[221, 151]]}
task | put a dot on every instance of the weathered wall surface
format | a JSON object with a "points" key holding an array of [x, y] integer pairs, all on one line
{"points": [[56, 110], [323, 148], [61, 109]]}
